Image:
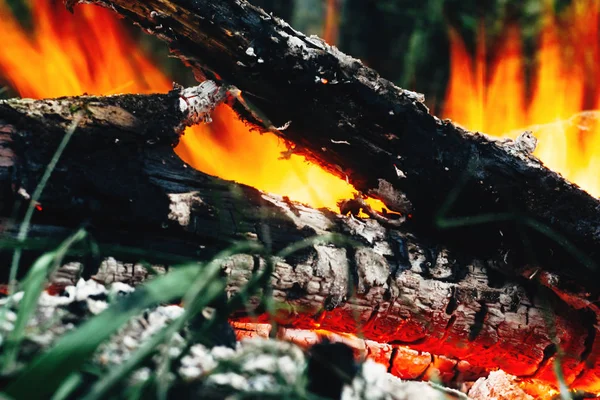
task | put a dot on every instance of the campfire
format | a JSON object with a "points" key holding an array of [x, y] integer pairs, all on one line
{"points": [[560, 106], [443, 254], [226, 148]]}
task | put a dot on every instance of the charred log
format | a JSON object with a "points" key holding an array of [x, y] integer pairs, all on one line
{"points": [[201, 370], [127, 187], [466, 191]]}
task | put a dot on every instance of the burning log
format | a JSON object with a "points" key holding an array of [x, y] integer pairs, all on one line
{"points": [[471, 193], [207, 370], [119, 177]]}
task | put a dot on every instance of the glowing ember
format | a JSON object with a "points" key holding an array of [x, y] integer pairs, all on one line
{"points": [[92, 53], [493, 98]]}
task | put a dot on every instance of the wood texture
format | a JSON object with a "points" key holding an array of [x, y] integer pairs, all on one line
{"points": [[469, 192], [396, 288]]}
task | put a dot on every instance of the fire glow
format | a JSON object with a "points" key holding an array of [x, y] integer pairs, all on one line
{"points": [[92, 53], [494, 98]]}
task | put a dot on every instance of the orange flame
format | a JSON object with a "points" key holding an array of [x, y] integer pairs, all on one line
{"points": [[69, 56], [331, 27], [563, 85], [92, 53]]}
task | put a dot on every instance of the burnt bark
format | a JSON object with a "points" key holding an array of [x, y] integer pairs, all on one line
{"points": [[126, 186], [466, 191]]}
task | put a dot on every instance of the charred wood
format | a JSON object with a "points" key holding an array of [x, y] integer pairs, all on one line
{"points": [[396, 288], [467, 191]]}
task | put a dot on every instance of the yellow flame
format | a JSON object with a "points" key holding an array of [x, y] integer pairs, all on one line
{"points": [[493, 98], [92, 53]]}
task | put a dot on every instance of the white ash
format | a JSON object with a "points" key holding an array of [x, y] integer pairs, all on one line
{"points": [[141, 375], [372, 381], [14, 299], [523, 146], [7, 324], [84, 291], [340, 142], [190, 373], [221, 353], [120, 288], [262, 362], [399, 172], [162, 315], [284, 126], [497, 386], [23, 193], [131, 336], [198, 362], [53, 316], [229, 379], [10, 316], [526, 142], [262, 383], [375, 383], [256, 365], [180, 208], [198, 102]]}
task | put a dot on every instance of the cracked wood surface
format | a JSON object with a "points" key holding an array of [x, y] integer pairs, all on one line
{"points": [[397, 288], [494, 196]]}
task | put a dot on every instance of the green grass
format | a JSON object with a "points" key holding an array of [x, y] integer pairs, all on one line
{"points": [[56, 373], [56, 370], [35, 197], [63, 369]]}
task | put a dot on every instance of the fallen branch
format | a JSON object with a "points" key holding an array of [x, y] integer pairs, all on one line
{"points": [[463, 190], [131, 191]]}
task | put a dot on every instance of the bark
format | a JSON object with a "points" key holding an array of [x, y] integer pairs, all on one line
{"points": [[466, 191], [130, 191], [207, 370]]}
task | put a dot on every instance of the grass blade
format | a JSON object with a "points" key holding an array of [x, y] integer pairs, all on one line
{"points": [[49, 370], [101, 388], [37, 194], [205, 288], [68, 386], [33, 285]]}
